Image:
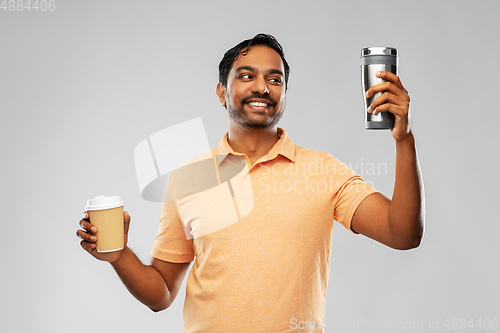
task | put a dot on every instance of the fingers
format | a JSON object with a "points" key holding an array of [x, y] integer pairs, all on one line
{"points": [[88, 234], [88, 246], [89, 237], [86, 225], [393, 78], [394, 99], [386, 87], [389, 102]]}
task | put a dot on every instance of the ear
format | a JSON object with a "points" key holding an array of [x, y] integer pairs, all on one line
{"points": [[221, 92]]}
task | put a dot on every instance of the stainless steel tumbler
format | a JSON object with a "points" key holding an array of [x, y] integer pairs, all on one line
{"points": [[374, 59]]}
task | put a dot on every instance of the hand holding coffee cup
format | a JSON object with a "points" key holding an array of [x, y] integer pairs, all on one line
{"points": [[105, 228]]}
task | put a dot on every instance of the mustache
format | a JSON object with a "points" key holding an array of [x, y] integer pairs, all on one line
{"points": [[266, 96]]}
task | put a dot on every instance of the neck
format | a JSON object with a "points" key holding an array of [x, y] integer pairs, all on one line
{"points": [[254, 143]]}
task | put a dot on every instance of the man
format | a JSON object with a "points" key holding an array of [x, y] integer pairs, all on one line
{"points": [[268, 272]]}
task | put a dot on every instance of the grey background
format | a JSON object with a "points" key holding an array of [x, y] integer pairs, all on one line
{"points": [[81, 86]]}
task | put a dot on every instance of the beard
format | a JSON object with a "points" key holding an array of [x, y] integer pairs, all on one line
{"points": [[238, 114]]}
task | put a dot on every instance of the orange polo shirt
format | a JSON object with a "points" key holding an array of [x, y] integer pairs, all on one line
{"points": [[260, 236]]}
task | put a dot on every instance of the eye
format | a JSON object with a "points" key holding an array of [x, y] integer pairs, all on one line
{"points": [[275, 80], [245, 76]]}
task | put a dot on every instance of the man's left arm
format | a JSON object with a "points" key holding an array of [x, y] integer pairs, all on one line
{"points": [[398, 223]]}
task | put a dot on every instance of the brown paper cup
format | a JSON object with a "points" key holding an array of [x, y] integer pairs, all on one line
{"points": [[106, 213], [110, 233]]}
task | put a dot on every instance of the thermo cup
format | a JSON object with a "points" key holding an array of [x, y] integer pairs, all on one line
{"points": [[374, 59], [106, 213]]}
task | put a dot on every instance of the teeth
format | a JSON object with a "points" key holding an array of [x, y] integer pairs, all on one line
{"points": [[257, 104]]}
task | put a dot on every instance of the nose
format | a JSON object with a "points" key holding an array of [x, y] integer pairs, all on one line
{"points": [[260, 85]]}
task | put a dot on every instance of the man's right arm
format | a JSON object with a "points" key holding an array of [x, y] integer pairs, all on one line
{"points": [[155, 285]]}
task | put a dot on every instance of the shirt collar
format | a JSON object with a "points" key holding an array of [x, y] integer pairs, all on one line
{"points": [[284, 146]]}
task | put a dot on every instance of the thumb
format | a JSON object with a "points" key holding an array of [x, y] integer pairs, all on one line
{"points": [[126, 220]]}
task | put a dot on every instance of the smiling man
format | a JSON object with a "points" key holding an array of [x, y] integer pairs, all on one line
{"points": [[268, 272], [253, 90], [262, 68]]}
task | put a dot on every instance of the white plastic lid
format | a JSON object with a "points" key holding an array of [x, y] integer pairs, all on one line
{"points": [[101, 202]]}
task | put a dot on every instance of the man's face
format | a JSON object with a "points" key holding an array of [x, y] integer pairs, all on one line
{"points": [[255, 92]]}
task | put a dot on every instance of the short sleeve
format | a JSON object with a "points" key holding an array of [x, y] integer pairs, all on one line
{"points": [[171, 243], [348, 191]]}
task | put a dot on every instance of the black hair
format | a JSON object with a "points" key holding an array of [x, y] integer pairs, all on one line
{"points": [[242, 48]]}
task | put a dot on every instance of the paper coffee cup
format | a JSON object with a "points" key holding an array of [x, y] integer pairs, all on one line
{"points": [[106, 213]]}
